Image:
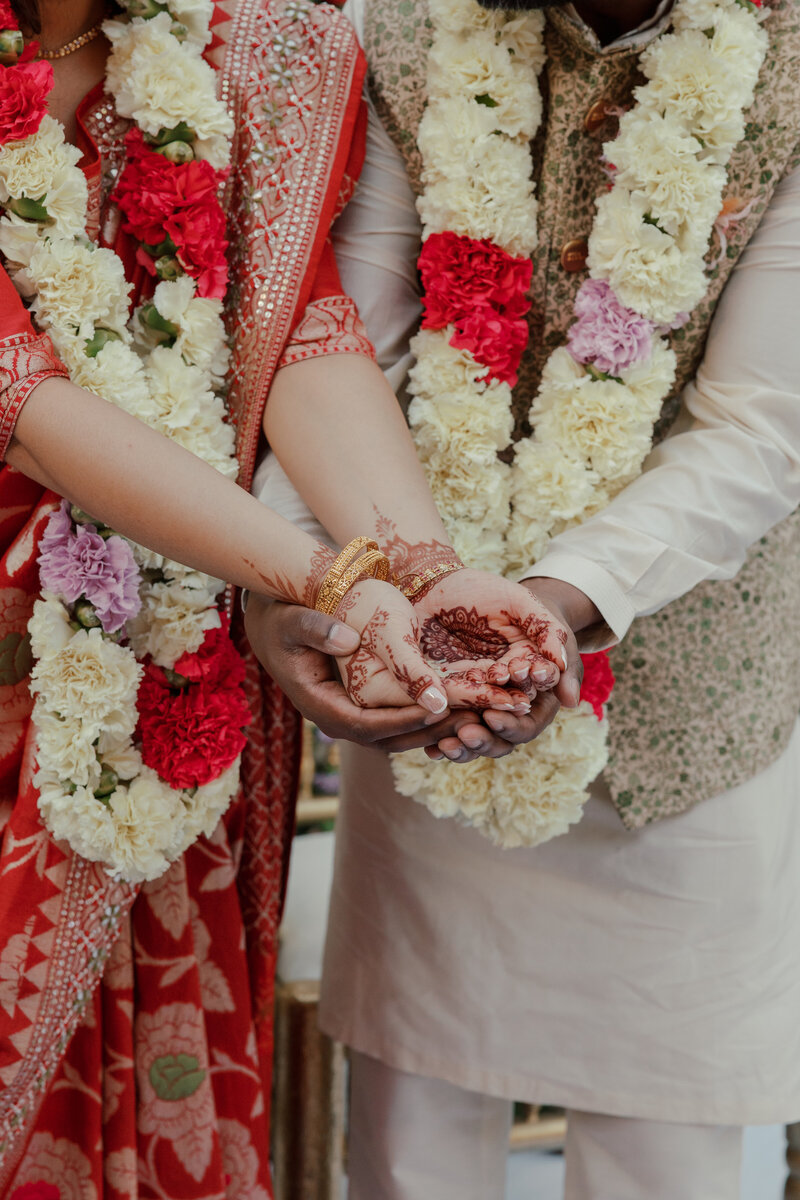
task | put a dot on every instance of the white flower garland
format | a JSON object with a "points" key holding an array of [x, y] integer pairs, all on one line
{"points": [[85, 683], [592, 431]]}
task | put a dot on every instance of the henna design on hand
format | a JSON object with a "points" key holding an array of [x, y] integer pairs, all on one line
{"points": [[368, 661], [454, 634], [280, 585]]}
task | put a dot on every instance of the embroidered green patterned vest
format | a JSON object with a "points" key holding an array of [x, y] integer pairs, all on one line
{"points": [[708, 689]]}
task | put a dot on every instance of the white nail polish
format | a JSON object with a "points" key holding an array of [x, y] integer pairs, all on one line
{"points": [[564, 658]]}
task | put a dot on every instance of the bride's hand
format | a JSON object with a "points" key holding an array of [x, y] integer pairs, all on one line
{"points": [[473, 624], [389, 668]]}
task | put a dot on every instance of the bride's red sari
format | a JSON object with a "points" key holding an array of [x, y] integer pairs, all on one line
{"points": [[136, 1024]]}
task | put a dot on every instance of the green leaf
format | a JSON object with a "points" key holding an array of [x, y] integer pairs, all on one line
{"points": [[179, 133], [99, 339], [486, 100], [649, 219], [16, 659], [28, 209], [176, 1076]]}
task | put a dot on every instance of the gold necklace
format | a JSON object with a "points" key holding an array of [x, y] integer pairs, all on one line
{"points": [[83, 40]]}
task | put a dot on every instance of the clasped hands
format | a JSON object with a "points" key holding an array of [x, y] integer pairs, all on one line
{"points": [[475, 667]]}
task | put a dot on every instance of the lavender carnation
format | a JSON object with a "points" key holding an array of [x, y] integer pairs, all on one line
{"points": [[607, 334], [76, 561]]}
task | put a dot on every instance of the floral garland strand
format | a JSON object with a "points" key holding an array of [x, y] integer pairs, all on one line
{"points": [[600, 394], [139, 708]]}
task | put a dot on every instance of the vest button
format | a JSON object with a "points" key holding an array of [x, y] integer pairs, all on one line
{"points": [[574, 255], [596, 117]]}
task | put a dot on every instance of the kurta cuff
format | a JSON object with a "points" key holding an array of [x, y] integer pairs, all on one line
{"points": [[601, 588]]}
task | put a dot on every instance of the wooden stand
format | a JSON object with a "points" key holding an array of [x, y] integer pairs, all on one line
{"points": [[792, 1191], [308, 1109]]}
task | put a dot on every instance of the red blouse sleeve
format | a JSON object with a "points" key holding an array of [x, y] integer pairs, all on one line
{"points": [[26, 358], [330, 323]]}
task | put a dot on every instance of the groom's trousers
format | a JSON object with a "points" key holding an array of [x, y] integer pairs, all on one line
{"points": [[415, 1138]]}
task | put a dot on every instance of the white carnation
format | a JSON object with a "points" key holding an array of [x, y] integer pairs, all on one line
{"points": [[196, 16], [173, 621], [49, 627], [698, 87], [18, 240], [442, 368], [116, 374], [700, 14], [160, 82], [66, 747], [188, 411], [610, 430], [93, 680], [658, 162], [453, 484], [469, 66], [120, 754], [651, 379], [209, 802], [79, 819], [550, 485], [478, 546], [648, 270], [201, 339], [43, 167], [456, 16], [524, 35], [148, 819], [78, 286]]}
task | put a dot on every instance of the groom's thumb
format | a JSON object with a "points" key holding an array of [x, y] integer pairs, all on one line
{"points": [[324, 633]]}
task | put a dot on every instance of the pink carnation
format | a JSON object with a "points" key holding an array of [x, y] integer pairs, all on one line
{"points": [[76, 561], [606, 334]]}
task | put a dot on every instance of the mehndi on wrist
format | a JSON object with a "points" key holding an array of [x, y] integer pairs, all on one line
{"points": [[360, 559], [416, 584]]}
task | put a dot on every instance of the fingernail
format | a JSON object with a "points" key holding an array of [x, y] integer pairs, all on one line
{"points": [[574, 691], [432, 718], [434, 700], [343, 638], [473, 743], [522, 709], [564, 658], [541, 673]]}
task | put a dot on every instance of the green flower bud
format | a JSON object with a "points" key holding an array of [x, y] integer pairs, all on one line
{"points": [[178, 133], [179, 31], [175, 680], [12, 44], [85, 614], [107, 784], [168, 267], [144, 8], [81, 517], [165, 247], [28, 209], [176, 152], [151, 318], [100, 338]]}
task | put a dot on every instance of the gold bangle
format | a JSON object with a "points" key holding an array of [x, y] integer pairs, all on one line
{"points": [[351, 566], [414, 587]]}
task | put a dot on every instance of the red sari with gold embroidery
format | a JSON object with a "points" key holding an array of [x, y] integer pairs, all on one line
{"points": [[136, 1024]]}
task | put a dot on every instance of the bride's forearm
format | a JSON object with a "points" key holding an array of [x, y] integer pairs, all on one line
{"points": [[155, 492], [354, 463]]}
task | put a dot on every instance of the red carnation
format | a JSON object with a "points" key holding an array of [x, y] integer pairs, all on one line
{"points": [[216, 664], [40, 1190], [460, 273], [497, 342], [24, 89], [190, 737], [199, 235], [161, 200], [598, 681], [8, 18]]}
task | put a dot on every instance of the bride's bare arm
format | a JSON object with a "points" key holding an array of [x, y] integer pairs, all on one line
{"points": [[155, 492]]}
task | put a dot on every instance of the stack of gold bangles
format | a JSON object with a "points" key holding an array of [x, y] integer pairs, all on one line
{"points": [[360, 559]]}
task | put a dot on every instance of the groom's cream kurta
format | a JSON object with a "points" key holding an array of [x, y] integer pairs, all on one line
{"points": [[651, 973]]}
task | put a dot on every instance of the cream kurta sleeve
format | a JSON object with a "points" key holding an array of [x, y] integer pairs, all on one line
{"points": [[731, 469]]}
